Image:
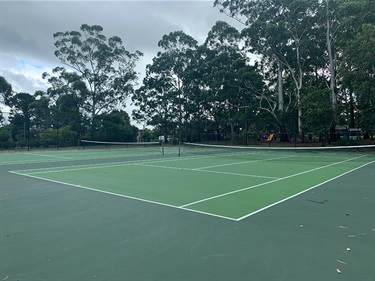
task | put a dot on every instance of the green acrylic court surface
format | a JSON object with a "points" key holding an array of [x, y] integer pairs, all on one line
{"points": [[252, 190]]}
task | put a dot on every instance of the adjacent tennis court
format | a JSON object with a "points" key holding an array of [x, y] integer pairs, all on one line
{"points": [[247, 192]]}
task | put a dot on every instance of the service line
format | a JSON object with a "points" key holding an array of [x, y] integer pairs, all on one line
{"points": [[268, 182]]}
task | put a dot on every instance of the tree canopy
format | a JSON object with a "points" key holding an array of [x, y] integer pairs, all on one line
{"points": [[297, 68], [103, 70]]}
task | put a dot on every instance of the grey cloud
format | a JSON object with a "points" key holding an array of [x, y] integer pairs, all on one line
{"points": [[27, 27], [22, 83], [140, 24]]}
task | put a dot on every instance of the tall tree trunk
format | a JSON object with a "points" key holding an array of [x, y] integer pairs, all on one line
{"points": [[280, 87], [332, 63], [283, 132], [351, 110], [332, 57], [297, 76]]}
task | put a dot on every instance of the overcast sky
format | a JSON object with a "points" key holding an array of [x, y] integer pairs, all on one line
{"points": [[27, 27]]}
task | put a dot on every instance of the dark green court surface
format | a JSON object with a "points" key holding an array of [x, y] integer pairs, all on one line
{"points": [[256, 216]]}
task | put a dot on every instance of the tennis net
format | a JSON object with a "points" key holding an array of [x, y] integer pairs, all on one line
{"points": [[141, 147], [303, 154]]}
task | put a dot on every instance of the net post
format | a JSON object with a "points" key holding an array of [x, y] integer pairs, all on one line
{"points": [[162, 148]]}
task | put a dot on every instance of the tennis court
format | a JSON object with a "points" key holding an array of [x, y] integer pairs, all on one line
{"points": [[209, 214]]}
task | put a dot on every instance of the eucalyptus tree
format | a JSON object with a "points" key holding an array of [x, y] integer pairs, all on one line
{"points": [[114, 126], [66, 112], [20, 117], [41, 111], [5, 90], [331, 23], [178, 55], [360, 57], [357, 68], [70, 99], [5, 94], [339, 21], [104, 67], [279, 31], [155, 101], [30, 115], [224, 73], [20, 104], [318, 111], [163, 96]]}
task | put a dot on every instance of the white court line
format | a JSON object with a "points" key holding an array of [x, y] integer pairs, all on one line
{"points": [[72, 158], [204, 171], [187, 209], [93, 166], [66, 159], [299, 193], [46, 155], [269, 182], [131, 163], [234, 174], [244, 162], [114, 164], [121, 195], [71, 168]]}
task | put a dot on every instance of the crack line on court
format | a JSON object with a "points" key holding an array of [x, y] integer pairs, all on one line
{"points": [[269, 182]]}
